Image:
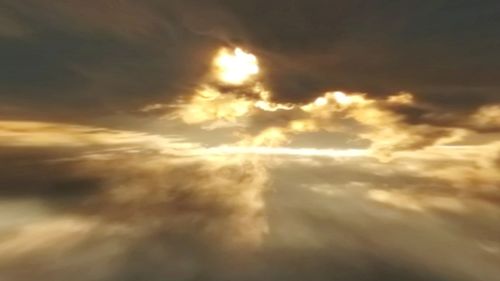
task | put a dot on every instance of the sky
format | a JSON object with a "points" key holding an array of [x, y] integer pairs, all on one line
{"points": [[249, 140]]}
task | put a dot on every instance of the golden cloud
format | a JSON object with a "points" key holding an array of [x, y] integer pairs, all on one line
{"points": [[371, 119]]}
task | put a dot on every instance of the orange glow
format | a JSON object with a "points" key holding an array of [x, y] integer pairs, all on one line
{"points": [[235, 67]]}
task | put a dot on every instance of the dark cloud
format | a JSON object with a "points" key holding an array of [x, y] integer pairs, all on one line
{"points": [[110, 56], [102, 57], [41, 175], [444, 51]]}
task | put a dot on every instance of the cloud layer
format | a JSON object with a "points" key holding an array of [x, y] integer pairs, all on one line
{"points": [[90, 203]]}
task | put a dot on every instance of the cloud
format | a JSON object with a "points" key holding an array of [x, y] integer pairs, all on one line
{"points": [[210, 105], [103, 57], [365, 210], [101, 184], [383, 122], [477, 165], [108, 57], [371, 119], [132, 204], [486, 118]]}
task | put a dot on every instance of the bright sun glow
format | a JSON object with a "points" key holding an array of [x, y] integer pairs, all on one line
{"points": [[235, 67]]}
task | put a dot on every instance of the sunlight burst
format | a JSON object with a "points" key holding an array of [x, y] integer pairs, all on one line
{"points": [[235, 67]]}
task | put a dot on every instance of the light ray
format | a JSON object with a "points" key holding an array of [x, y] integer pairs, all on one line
{"points": [[289, 151]]}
